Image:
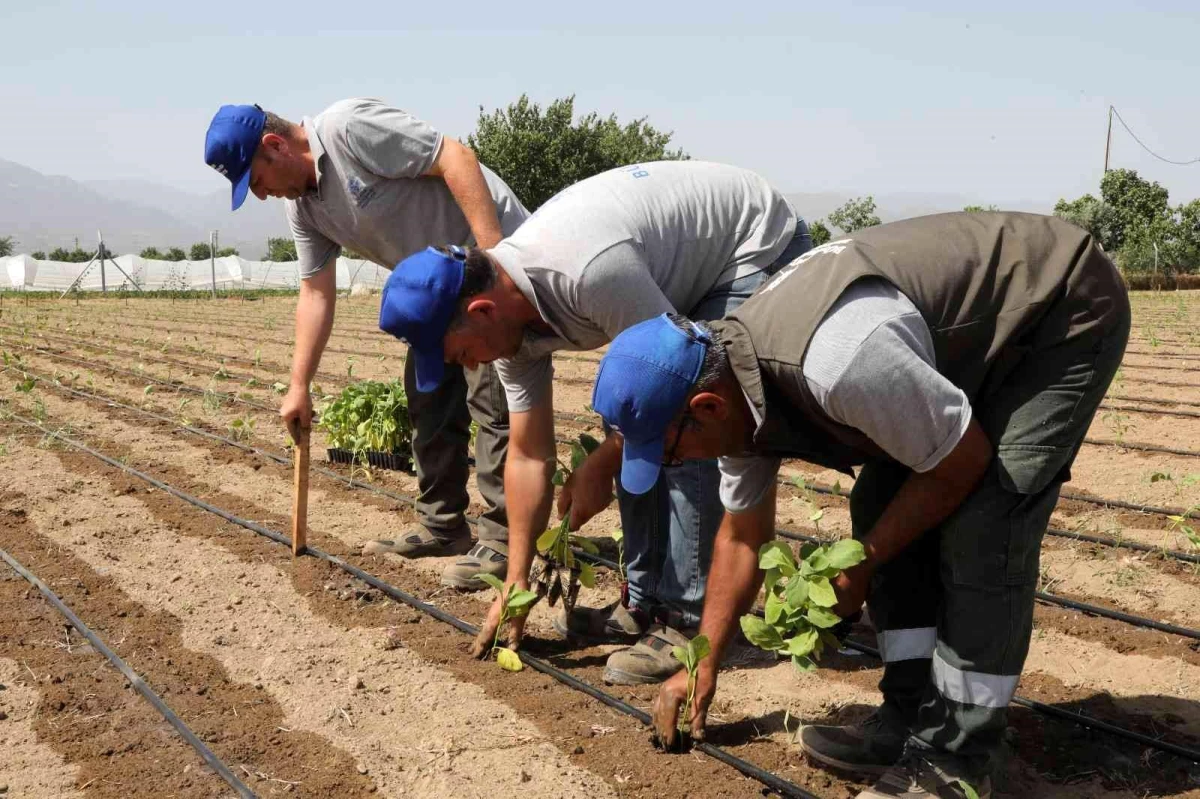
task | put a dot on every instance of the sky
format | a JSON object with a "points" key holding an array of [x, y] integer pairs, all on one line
{"points": [[1006, 102]]}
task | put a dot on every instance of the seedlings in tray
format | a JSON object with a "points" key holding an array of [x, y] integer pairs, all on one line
{"points": [[690, 656], [515, 604], [368, 415], [556, 572], [797, 616]]}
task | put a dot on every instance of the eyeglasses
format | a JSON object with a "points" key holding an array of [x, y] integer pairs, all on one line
{"points": [[684, 421]]}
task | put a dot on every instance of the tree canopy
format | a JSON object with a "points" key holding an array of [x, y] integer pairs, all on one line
{"points": [[540, 152]]}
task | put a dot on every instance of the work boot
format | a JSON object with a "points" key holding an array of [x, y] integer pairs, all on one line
{"points": [[870, 747], [486, 557], [925, 775], [422, 543], [648, 661], [613, 623]]}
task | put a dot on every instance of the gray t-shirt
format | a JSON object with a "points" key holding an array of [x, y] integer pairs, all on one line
{"points": [[629, 244], [371, 196], [871, 354]]}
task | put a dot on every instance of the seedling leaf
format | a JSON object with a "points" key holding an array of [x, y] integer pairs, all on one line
{"points": [[587, 575], [508, 659], [845, 553], [820, 592], [822, 617], [491, 580], [761, 634], [777, 555]]}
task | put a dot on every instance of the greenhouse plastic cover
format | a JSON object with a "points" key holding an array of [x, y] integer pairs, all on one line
{"points": [[232, 272]]}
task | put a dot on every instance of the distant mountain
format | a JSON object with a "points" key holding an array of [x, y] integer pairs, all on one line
{"points": [[46, 211], [248, 229], [899, 205]]}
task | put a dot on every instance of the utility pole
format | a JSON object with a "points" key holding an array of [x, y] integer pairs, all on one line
{"points": [[1108, 140]]}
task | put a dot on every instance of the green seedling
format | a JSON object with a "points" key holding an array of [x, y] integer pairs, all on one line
{"points": [[25, 386], [221, 373], [241, 428], [690, 656], [257, 358], [968, 790], [368, 415], [350, 368], [815, 512], [1183, 522], [515, 603], [556, 571], [618, 537], [1119, 424], [279, 388], [797, 616]]}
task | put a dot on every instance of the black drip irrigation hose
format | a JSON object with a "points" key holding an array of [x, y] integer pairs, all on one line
{"points": [[1139, 447], [1068, 715], [611, 701], [1173, 554], [135, 680], [775, 783], [409, 501], [1051, 599], [1108, 406]]}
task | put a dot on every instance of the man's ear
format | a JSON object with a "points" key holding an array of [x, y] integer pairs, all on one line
{"points": [[481, 305], [707, 406], [273, 143]]}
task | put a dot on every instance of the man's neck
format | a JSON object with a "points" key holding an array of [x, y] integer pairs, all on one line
{"points": [[520, 306]]}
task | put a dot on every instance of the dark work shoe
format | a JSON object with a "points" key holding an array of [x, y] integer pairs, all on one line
{"points": [[422, 543], [921, 776], [613, 623], [486, 557], [870, 747]]}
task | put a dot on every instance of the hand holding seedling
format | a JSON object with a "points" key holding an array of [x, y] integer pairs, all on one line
{"points": [[512, 605], [681, 707]]}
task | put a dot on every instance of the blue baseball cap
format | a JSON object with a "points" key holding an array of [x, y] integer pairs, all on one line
{"points": [[419, 300], [644, 379], [233, 137]]}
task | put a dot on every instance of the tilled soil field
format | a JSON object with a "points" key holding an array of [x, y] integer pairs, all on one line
{"points": [[306, 681]]}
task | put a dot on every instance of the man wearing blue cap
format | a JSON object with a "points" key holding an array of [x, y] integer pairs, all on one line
{"points": [[375, 179], [600, 256], [958, 359]]}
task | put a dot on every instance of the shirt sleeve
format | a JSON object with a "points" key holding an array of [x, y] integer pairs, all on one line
{"points": [[526, 381], [745, 480], [873, 354], [391, 143], [617, 290], [313, 248]]}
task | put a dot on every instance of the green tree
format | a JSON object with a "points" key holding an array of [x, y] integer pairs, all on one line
{"points": [[200, 251], [979, 209], [175, 254], [60, 254], [152, 253], [39, 255], [1095, 216], [224, 251], [820, 233], [280, 249], [8, 245], [1136, 203], [539, 153], [855, 215]]}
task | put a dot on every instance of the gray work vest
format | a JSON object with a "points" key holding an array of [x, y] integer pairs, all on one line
{"points": [[982, 282]]}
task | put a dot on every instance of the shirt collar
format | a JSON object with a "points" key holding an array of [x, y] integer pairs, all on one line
{"points": [[317, 149]]}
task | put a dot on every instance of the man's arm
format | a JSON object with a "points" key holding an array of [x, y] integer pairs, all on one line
{"points": [[314, 321], [527, 494], [457, 165], [922, 503], [733, 583]]}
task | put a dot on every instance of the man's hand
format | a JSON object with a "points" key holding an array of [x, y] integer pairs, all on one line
{"points": [[487, 632], [296, 410], [671, 697], [851, 587], [588, 490]]}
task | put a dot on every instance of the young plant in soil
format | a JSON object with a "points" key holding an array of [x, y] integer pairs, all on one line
{"points": [[556, 572], [1182, 522], [516, 603], [797, 617], [618, 536], [690, 656]]}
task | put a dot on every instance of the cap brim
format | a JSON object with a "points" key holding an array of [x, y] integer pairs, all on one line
{"points": [[430, 369], [641, 464], [241, 189]]}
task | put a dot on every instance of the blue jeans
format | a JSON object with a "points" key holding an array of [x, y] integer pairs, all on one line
{"points": [[669, 530]]}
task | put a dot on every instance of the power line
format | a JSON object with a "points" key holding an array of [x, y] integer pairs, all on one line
{"points": [[1113, 110]]}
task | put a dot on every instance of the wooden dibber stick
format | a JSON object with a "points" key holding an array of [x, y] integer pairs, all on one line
{"points": [[300, 491]]}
